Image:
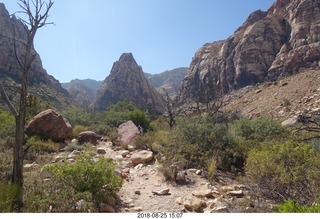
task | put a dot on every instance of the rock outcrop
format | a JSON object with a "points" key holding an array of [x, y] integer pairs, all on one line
{"points": [[127, 132], [50, 124], [88, 136], [143, 156], [83, 91], [47, 87], [280, 42], [169, 81], [127, 82]]}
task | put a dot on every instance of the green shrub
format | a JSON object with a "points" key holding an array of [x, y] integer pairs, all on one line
{"points": [[153, 140], [117, 114], [38, 146], [260, 129], [139, 118], [6, 161], [55, 196], [77, 130], [200, 142], [123, 111], [288, 170], [174, 159], [86, 175], [159, 123], [7, 194], [291, 206], [76, 116], [7, 129], [101, 129], [211, 140]]}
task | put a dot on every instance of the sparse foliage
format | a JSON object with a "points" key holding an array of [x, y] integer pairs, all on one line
{"points": [[286, 171], [87, 175], [37, 13]]}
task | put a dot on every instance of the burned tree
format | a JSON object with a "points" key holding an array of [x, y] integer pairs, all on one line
{"points": [[36, 13]]}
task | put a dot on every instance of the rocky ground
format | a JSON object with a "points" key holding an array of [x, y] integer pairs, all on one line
{"points": [[146, 190], [282, 99]]}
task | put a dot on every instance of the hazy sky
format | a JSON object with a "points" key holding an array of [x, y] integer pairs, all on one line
{"points": [[90, 35]]}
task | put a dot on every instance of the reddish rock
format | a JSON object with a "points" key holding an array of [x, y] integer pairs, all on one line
{"points": [[88, 136], [50, 124], [128, 131]]}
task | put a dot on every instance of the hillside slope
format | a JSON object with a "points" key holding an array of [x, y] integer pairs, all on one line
{"points": [[280, 42], [41, 83], [292, 95]]}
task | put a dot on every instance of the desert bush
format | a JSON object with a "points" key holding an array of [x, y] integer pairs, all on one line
{"points": [[34, 106], [7, 129], [200, 142], [76, 116], [77, 130], [55, 195], [139, 118], [153, 140], [72, 147], [286, 171], [7, 194], [159, 123], [101, 129], [117, 114], [6, 161], [212, 168], [212, 140], [38, 146], [86, 175], [291, 206], [173, 159], [260, 129]]}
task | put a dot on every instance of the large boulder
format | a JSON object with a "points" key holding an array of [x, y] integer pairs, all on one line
{"points": [[50, 124], [141, 157], [128, 132], [88, 136]]}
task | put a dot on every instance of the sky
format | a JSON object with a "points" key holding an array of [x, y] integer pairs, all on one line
{"points": [[88, 36]]}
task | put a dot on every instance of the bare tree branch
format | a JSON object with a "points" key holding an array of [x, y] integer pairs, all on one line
{"points": [[37, 13], [7, 101]]}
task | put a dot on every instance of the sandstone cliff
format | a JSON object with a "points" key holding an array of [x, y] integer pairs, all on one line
{"points": [[9, 67], [280, 42], [169, 81], [127, 82], [83, 91]]}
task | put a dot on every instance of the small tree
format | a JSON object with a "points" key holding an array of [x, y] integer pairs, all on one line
{"points": [[37, 13], [170, 113]]}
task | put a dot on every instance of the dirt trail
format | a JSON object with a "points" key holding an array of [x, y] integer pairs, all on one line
{"points": [[143, 181]]}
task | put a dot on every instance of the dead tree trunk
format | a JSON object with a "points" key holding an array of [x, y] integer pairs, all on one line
{"points": [[36, 12]]}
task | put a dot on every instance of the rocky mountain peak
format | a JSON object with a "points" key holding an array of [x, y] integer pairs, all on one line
{"points": [[3, 11], [127, 81], [268, 46], [253, 18], [9, 67], [127, 57], [279, 6]]}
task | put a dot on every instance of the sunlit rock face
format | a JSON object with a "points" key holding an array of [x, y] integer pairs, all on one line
{"points": [[127, 81], [280, 42]]}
